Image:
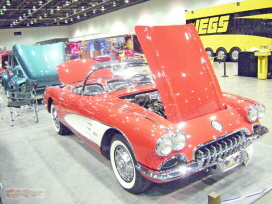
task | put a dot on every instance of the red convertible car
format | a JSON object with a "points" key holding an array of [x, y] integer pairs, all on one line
{"points": [[161, 125]]}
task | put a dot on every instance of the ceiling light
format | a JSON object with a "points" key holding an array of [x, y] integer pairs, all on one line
{"points": [[8, 3]]}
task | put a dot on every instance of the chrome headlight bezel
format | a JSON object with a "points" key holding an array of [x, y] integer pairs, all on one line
{"points": [[164, 147], [256, 112], [179, 141], [252, 114], [171, 142], [261, 110]]}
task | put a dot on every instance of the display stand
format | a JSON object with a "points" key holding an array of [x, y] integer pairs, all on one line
{"points": [[262, 64]]}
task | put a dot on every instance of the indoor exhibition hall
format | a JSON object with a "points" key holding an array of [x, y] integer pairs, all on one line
{"points": [[135, 101]]}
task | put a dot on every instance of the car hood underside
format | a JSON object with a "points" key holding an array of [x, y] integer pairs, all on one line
{"points": [[182, 71]]}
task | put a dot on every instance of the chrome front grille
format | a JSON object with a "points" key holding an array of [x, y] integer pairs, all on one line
{"points": [[218, 150]]}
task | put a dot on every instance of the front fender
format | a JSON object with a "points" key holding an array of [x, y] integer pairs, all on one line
{"points": [[241, 104]]}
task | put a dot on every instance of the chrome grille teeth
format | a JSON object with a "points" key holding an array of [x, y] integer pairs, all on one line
{"points": [[230, 147], [225, 150], [208, 157], [214, 155], [235, 147], [218, 150], [200, 158]]}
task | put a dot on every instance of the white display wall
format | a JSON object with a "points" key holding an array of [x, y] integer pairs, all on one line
{"points": [[31, 35], [154, 12]]}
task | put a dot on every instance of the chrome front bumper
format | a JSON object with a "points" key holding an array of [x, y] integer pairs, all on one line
{"points": [[222, 158]]}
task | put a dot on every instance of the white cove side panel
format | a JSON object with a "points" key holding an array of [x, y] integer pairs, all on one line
{"points": [[91, 129]]}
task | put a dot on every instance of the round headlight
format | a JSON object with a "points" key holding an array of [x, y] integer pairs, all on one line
{"points": [[261, 110], [23, 88], [164, 147], [252, 114], [179, 141]]}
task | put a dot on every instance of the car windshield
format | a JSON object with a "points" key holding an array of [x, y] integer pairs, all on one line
{"points": [[130, 75]]}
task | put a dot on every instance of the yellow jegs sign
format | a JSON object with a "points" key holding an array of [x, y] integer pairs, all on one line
{"points": [[218, 24]]}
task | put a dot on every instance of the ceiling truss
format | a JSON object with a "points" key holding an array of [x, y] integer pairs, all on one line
{"points": [[43, 13]]}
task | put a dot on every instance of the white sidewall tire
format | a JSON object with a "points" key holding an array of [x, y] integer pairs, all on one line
{"points": [[124, 184], [52, 110]]}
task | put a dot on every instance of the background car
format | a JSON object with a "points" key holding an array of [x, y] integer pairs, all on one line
{"points": [[157, 122], [3, 61], [124, 54], [33, 62]]}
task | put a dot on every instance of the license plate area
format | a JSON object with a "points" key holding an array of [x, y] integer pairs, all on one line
{"points": [[235, 159]]}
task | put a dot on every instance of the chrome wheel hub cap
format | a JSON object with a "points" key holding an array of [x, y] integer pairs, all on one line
{"points": [[55, 118], [124, 163]]}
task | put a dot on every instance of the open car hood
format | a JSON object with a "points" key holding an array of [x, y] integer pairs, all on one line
{"points": [[182, 71], [40, 62]]}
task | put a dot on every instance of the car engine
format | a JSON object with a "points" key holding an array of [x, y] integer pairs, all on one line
{"points": [[149, 100]]}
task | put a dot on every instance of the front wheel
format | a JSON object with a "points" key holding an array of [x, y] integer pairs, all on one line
{"points": [[123, 164], [59, 127]]}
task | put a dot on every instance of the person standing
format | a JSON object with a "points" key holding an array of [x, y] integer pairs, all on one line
{"points": [[113, 52]]}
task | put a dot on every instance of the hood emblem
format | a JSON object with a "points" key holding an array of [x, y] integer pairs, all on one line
{"points": [[217, 125]]}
